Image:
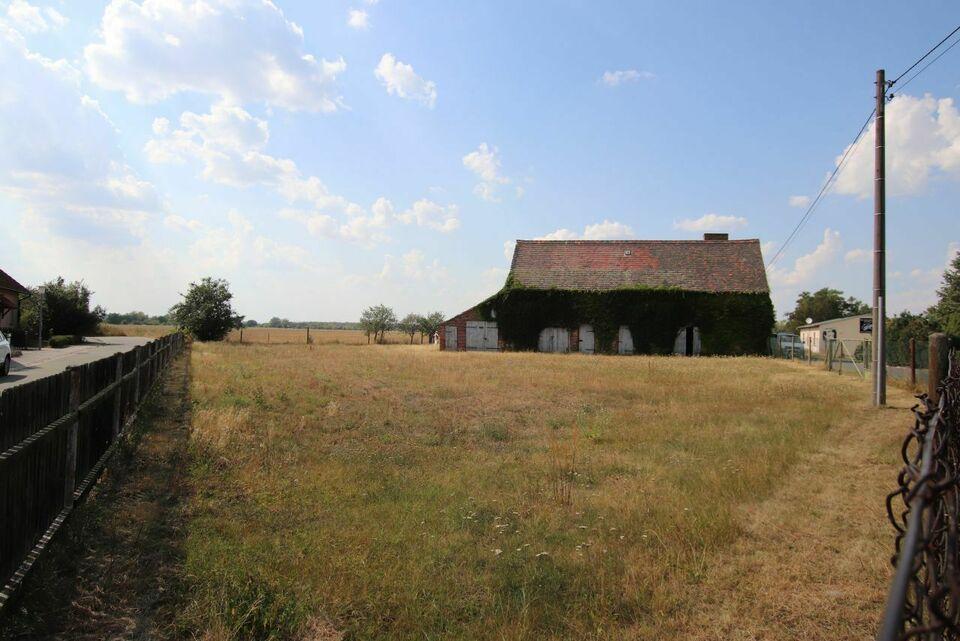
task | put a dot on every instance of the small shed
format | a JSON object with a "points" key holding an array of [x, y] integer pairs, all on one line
{"points": [[816, 336], [11, 293]]}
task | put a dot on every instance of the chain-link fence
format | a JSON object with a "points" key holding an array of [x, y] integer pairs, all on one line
{"points": [[924, 601]]}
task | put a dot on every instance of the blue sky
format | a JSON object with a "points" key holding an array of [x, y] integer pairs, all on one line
{"points": [[326, 156]]}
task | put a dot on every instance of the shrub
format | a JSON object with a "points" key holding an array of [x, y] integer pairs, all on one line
{"points": [[65, 340]]}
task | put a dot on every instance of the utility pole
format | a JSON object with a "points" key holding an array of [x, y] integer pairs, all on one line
{"points": [[879, 249]]}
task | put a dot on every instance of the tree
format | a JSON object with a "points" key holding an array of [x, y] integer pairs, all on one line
{"points": [[410, 325], [377, 320], [430, 324], [66, 310], [250, 323], [822, 305], [205, 312], [946, 313]]}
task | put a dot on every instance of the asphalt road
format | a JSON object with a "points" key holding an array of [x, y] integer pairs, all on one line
{"points": [[34, 364]]}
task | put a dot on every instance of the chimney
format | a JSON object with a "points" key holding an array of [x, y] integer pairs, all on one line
{"points": [[709, 236]]}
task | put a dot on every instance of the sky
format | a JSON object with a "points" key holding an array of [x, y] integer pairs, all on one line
{"points": [[328, 156]]}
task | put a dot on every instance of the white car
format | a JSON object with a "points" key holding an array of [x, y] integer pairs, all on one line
{"points": [[5, 351]]}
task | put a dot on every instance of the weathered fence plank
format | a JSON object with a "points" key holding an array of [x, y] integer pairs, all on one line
{"points": [[56, 434]]}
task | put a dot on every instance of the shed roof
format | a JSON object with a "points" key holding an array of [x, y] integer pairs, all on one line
{"points": [[716, 266], [834, 320], [9, 284]]}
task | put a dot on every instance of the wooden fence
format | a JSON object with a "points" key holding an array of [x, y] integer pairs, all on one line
{"points": [[56, 434]]}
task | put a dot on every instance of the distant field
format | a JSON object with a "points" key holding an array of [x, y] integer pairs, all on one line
{"points": [[149, 331], [317, 336], [408, 493]]}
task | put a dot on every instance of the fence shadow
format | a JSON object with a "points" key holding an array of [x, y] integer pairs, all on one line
{"points": [[114, 568]]}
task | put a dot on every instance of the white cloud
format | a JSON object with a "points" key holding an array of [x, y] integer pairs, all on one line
{"points": [[241, 50], [508, 247], [809, 265], [79, 182], [923, 142], [426, 213], [484, 161], [799, 201], [229, 142], [559, 234], [607, 230], [856, 256], [711, 222], [361, 228], [358, 19], [400, 79], [179, 223], [29, 18], [624, 76]]}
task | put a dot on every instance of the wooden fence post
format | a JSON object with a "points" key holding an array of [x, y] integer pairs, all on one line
{"points": [[70, 471], [117, 396], [939, 354], [913, 362], [241, 336], [136, 376], [308, 335], [829, 359]]}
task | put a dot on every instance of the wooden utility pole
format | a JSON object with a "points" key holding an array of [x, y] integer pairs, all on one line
{"points": [[879, 249]]}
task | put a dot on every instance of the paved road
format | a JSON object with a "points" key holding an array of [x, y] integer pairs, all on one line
{"points": [[36, 364]]}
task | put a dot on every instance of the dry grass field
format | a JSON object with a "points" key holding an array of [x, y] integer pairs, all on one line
{"points": [[148, 331], [399, 492], [274, 335]]}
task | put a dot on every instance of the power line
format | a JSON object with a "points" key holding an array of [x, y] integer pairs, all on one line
{"points": [[921, 59], [924, 68], [823, 190], [856, 141]]}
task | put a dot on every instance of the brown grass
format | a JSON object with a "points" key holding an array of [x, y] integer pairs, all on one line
{"points": [[275, 335], [148, 331], [403, 492]]}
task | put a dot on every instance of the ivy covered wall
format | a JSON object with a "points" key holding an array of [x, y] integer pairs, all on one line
{"points": [[730, 324]]}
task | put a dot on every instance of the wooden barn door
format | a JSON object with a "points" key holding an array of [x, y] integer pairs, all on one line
{"points": [[624, 341], [482, 335], [554, 339], [450, 338], [587, 342], [687, 342]]}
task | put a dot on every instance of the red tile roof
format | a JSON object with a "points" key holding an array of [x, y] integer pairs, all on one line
{"points": [[7, 283], [692, 265]]}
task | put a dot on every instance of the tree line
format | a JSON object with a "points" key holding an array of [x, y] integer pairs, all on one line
{"points": [[376, 321]]}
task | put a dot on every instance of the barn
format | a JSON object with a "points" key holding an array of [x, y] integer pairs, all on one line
{"points": [[686, 297]]}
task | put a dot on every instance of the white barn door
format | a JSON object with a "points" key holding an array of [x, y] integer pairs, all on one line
{"points": [[687, 342], [482, 335], [450, 337], [624, 341], [587, 340], [554, 339]]}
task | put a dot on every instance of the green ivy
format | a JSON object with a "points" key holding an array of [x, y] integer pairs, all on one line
{"points": [[729, 323]]}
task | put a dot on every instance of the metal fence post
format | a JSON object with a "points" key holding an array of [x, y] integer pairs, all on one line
{"points": [[939, 368], [70, 471], [913, 362], [136, 376], [117, 396]]}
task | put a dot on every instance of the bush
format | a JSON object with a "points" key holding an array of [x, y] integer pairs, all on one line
{"points": [[65, 340]]}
